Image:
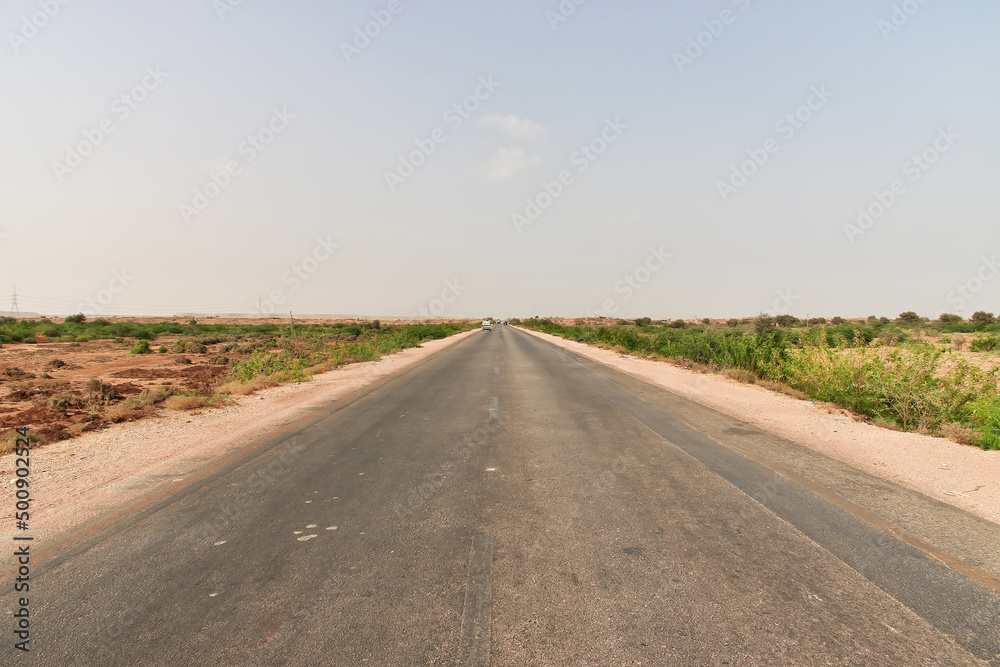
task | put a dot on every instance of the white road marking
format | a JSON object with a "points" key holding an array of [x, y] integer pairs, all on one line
{"points": [[219, 543], [494, 407], [306, 537], [331, 528]]}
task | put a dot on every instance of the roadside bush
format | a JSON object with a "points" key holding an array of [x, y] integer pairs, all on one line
{"points": [[63, 402], [195, 347], [949, 318], [101, 391], [141, 347], [909, 317], [983, 344], [79, 318], [178, 346], [764, 324], [147, 397], [982, 318], [21, 392]]}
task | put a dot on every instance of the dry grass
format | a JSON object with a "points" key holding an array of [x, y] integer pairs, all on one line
{"points": [[237, 388], [185, 402], [8, 441], [122, 413]]}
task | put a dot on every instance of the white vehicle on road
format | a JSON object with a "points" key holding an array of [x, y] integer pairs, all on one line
{"points": [[487, 325]]}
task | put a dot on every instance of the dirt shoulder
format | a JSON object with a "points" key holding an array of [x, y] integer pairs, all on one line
{"points": [[963, 476], [75, 481]]}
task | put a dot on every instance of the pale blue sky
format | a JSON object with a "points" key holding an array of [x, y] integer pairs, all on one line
{"points": [[444, 241]]}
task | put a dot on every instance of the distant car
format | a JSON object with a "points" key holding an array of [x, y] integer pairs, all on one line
{"points": [[487, 325]]}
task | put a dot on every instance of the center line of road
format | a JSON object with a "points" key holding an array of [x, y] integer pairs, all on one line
{"points": [[496, 371], [494, 407], [474, 644]]}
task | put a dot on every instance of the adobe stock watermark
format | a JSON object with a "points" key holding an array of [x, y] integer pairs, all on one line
{"points": [[913, 169], [967, 290], [224, 7], [714, 28], [120, 280], [365, 33], [298, 273], [454, 116], [437, 307], [563, 11], [786, 126], [633, 281], [899, 17], [121, 108], [581, 159], [249, 149], [34, 23]]}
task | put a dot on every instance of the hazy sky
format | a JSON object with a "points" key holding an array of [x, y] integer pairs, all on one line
{"points": [[507, 158]]}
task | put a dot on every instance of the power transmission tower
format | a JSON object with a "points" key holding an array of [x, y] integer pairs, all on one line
{"points": [[13, 302]]}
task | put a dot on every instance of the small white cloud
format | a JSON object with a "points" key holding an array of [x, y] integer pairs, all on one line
{"points": [[509, 163], [516, 128]]}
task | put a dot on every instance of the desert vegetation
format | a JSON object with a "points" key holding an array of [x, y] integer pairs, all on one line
{"points": [[935, 377]]}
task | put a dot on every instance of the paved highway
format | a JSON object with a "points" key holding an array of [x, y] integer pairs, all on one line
{"points": [[509, 503]]}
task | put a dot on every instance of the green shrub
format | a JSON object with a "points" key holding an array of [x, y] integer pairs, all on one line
{"points": [[984, 344], [982, 318], [79, 318], [141, 347]]}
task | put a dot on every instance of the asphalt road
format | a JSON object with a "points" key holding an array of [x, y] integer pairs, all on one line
{"points": [[509, 503]]}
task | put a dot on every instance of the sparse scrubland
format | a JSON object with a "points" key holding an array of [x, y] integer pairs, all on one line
{"points": [[938, 378], [63, 378]]}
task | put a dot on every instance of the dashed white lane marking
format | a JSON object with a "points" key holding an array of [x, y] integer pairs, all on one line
{"points": [[312, 525], [496, 371], [331, 528], [308, 501], [494, 407], [219, 543], [297, 532], [491, 470], [306, 537]]}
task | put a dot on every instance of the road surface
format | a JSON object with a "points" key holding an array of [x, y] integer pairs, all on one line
{"points": [[507, 502]]}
